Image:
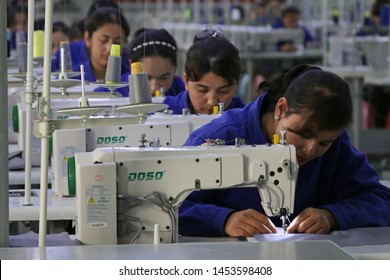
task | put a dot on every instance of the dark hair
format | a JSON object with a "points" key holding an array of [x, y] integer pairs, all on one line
{"points": [[97, 4], [39, 24], [376, 7], [325, 96], [77, 30], [213, 54], [14, 8], [153, 42], [290, 10], [106, 15]]}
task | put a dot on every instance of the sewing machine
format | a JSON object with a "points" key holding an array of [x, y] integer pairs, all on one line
{"points": [[131, 195], [160, 129], [19, 118]]}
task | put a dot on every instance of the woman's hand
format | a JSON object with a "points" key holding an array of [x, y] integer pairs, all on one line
{"points": [[248, 222], [313, 220]]}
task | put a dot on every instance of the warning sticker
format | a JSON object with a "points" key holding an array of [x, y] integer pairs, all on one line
{"points": [[98, 206]]}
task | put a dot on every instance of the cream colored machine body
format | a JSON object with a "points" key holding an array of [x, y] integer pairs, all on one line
{"points": [[158, 130], [131, 195]]}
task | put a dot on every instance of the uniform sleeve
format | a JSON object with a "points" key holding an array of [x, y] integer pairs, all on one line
{"points": [[361, 201], [199, 218]]}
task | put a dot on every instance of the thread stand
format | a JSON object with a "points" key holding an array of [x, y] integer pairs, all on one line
{"points": [[141, 109], [111, 87], [63, 84]]}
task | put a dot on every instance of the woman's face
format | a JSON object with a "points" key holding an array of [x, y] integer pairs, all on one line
{"points": [[160, 72], [210, 90], [57, 38], [99, 43], [309, 142]]}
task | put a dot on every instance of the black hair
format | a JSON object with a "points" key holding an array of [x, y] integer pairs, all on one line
{"points": [[77, 30], [106, 15], [13, 8], [290, 10], [153, 42], [214, 54], [97, 4], [60, 26], [39, 24], [323, 95]]}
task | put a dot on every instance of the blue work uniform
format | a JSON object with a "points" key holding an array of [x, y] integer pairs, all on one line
{"points": [[182, 101], [307, 36], [79, 55], [341, 181]]}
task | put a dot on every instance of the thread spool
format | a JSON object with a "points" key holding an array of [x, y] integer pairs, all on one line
{"points": [[20, 37], [113, 72], [221, 107], [39, 36], [138, 85], [65, 58], [21, 51]]}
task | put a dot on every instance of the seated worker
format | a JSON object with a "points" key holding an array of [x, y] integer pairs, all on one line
{"points": [[211, 74], [17, 14], [106, 26], [80, 52], [156, 49], [336, 188], [60, 32], [290, 19]]}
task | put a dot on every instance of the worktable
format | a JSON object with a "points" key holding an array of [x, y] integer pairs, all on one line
{"points": [[233, 250]]}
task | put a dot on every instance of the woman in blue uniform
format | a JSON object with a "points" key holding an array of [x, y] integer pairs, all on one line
{"points": [[336, 189], [80, 52], [106, 26], [157, 50], [211, 75]]}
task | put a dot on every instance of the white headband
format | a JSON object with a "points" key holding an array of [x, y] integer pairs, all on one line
{"points": [[154, 43]]}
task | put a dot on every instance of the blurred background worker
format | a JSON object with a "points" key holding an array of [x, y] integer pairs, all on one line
{"points": [[60, 32], [17, 22], [79, 51], [291, 19], [157, 50]]}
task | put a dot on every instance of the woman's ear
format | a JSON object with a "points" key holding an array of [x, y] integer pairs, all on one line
{"points": [[281, 107], [87, 39]]}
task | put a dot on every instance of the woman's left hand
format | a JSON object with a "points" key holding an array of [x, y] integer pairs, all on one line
{"points": [[313, 220]]}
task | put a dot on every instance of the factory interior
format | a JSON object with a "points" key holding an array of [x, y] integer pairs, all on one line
{"points": [[90, 166]]}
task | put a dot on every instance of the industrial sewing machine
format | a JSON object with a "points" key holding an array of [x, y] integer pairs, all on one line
{"points": [[19, 117], [159, 129], [131, 195]]}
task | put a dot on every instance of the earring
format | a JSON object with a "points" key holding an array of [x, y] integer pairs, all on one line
{"points": [[276, 118]]}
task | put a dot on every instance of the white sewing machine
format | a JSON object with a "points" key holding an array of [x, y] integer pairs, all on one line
{"points": [[58, 104], [159, 129], [19, 120], [131, 195]]}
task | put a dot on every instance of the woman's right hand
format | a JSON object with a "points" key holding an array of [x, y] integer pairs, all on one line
{"points": [[248, 222]]}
